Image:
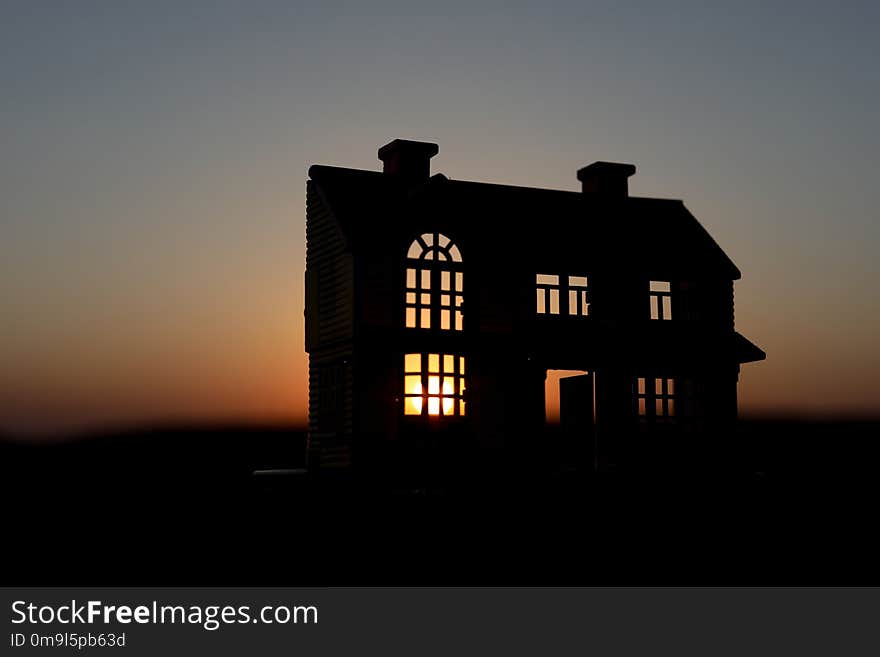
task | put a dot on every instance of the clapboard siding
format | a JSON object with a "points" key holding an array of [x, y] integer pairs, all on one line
{"points": [[329, 332]]}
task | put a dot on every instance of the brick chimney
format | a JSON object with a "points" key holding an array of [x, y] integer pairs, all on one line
{"points": [[606, 178], [411, 160]]}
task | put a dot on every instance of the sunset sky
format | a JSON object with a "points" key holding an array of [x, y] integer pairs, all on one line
{"points": [[154, 158]]}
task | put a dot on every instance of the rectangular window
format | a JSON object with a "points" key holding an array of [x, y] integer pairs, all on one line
{"points": [[548, 294], [655, 399], [578, 296], [553, 290], [660, 296], [433, 384]]}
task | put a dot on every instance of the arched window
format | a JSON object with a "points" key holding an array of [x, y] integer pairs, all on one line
{"points": [[434, 284]]}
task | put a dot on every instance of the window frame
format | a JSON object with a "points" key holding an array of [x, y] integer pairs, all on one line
{"points": [[652, 393], [558, 289], [444, 309], [432, 385], [660, 301]]}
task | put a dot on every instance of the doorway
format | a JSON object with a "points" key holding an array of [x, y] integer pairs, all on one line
{"points": [[569, 401]]}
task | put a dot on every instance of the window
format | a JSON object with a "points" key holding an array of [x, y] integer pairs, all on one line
{"points": [[433, 384], [434, 284], [655, 399], [552, 289], [660, 294], [548, 294], [578, 299]]}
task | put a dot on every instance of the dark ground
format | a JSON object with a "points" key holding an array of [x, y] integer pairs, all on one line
{"points": [[181, 506]]}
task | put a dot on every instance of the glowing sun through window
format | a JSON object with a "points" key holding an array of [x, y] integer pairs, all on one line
{"points": [[433, 384]]}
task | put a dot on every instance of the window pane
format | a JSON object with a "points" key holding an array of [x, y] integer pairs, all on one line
{"points": [[461, 364], [411, 278], [554, 301], [412, 384], [660, 286], [671, 406], [572, 303], [459, 321], [448, 385], [541, 309], [459, 282], [455, 253], [461, 385], [445, 322], [585, 307], [445, 281], [458, 299], [655, 312], [658, 407], [658, 386], [426, 299], [448, 363], [547, 279], [577, 281], [426, 279], [412, 363], [442, 240], [428, 238], [415, 250], [411, 297], [426, 318], [434, 363], [642, 409], [410, 318], [412, 406], [448, 405], [461, 407], [445, 300], [641, 386], [433, 385], [667, 308], [433, 406]]}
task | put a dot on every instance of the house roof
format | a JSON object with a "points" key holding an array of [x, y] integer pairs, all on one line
{"points": [[657, 233]]}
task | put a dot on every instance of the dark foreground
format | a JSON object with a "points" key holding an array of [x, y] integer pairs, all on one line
{"points": [[183, 507]]}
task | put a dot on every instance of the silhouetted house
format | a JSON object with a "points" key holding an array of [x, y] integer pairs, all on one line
{"points": [[435, 308]]}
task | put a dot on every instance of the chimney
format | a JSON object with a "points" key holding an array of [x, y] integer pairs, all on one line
{"points": [[606, 178], [411, 160]]}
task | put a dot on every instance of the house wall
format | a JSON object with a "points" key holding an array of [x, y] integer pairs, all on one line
{"points": [[329, 323], [357, 339]]}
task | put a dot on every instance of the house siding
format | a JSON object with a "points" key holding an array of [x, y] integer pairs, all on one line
{"points": [[329, 320]]}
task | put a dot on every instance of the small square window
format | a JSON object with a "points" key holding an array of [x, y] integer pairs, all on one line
{"points": [[655, 399]]}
